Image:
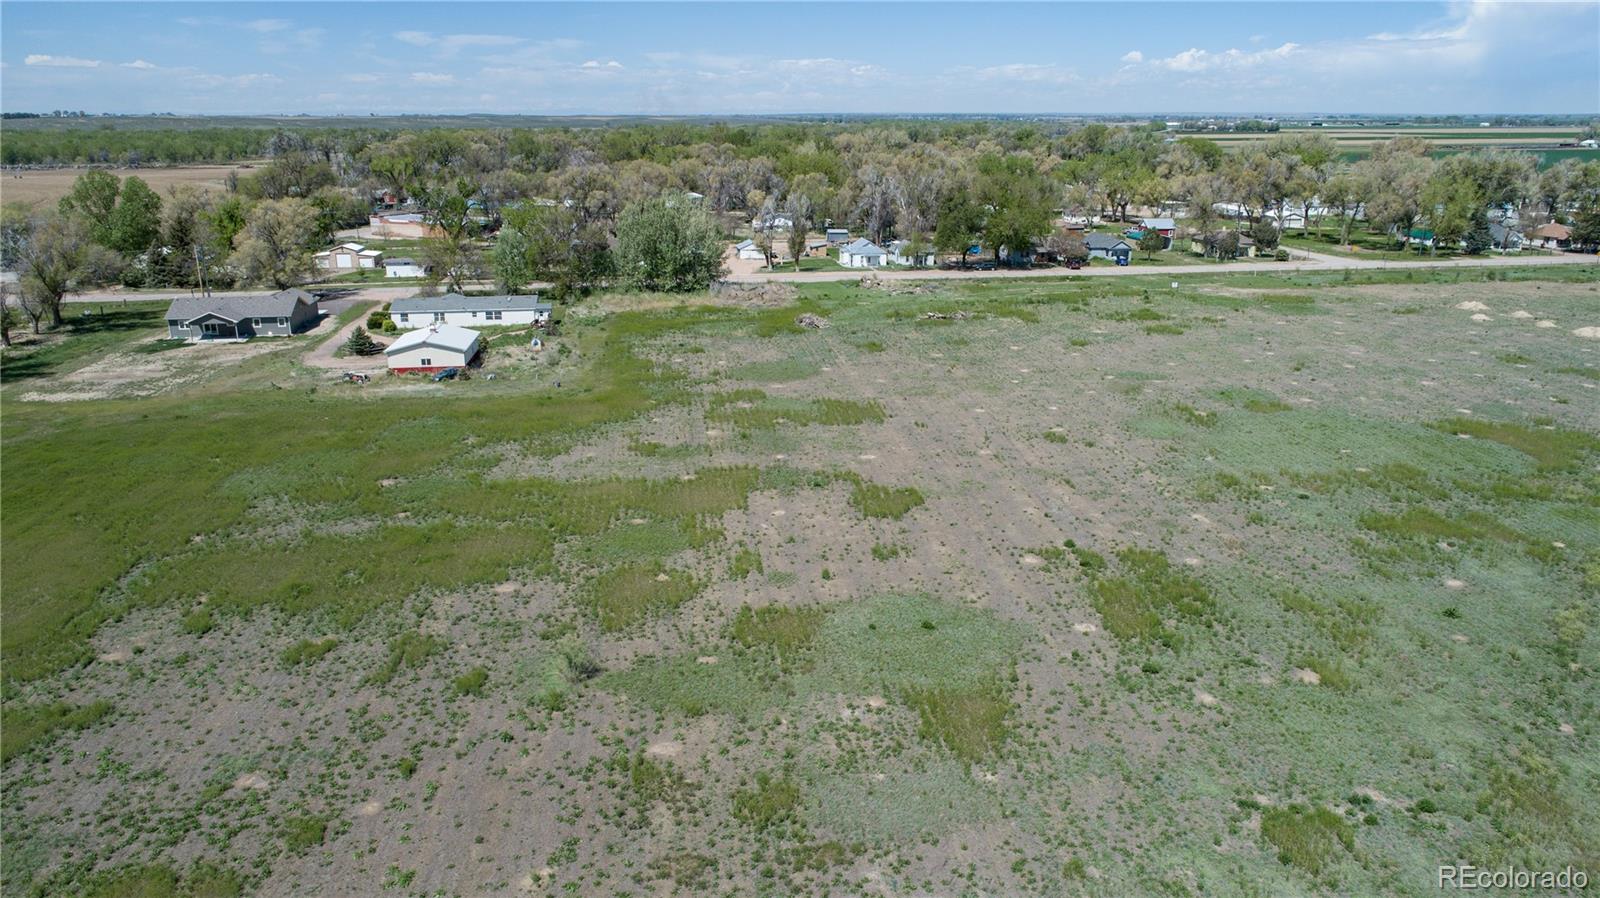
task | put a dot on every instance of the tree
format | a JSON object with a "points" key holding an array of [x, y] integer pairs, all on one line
{"points": [[8, 314], [1016, 200], [798, 211], [361, 343], [1223, 244], [960, 221], [1265, 234], [136, 222], [512, 260], [1068, 245], [93, 198], [1586, 225], [1151, 242], [667, 245], [452, 261], [1478, 238], [275, 245], [59, 257]]}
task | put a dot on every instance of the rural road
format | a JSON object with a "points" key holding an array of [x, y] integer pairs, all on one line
{"points": [[1305, 261]]}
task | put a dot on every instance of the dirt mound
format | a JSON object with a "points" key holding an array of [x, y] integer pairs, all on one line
{"points": [[770, 293], [957, 315], [1472, 305], [1588, 333]]}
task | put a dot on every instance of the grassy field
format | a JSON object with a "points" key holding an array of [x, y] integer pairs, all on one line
{"points": [[1266, 584], [47, 186]]}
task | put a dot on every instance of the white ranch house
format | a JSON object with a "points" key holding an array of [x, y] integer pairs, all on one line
{"points": [[862, 253], [431, 349], [900, 253], [468, 311]]}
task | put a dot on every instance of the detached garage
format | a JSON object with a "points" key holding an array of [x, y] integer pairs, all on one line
{"points": [[432, 349]]}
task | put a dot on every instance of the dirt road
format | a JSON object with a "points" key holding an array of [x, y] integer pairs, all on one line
{"points": [[321, 355]]}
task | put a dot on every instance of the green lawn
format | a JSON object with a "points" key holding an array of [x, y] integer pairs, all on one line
{"points": [[89, 331]]}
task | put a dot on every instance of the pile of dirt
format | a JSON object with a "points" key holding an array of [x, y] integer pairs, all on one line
{"points": [[957, 315], [811, 321], [1472, 306], [770, 293], [1588, 333]]}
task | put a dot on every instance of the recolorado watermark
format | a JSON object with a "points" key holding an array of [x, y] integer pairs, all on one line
{"points": [[1468, 877]]}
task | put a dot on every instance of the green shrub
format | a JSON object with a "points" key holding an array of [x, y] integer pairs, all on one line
{"points": [[875, 501], [629, 593], [198, 622], [769, 803], [1311, 839], [301, 833], [24, 725], [970, 722], [409, 650], [471, 682], [1135, 604], [307, 651]]}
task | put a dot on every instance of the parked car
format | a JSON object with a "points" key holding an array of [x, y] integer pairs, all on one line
{"points": [[446, 374], [1074, 264]]}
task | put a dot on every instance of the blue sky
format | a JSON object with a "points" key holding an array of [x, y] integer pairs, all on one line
{"points": [[754, 57]]}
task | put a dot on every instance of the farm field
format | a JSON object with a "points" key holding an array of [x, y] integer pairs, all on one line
{"points": [[1264, 584], [44, 187]]}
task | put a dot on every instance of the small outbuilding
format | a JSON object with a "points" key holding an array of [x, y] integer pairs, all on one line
{"points": [[837, 236], [281, 314], [862, 253], [749, 251], [348, 257], [431, 349], [468, 311]]}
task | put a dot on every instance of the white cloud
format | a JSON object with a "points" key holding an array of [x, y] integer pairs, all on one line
{"points": [[1132, 57], [60, 62], [267, 26], [1197, 60], [451, 44], [139, 64], [432, 78], [1027, 72], [597, 64]]}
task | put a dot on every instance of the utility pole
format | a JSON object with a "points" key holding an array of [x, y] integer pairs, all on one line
{"points": [[199, 271]]}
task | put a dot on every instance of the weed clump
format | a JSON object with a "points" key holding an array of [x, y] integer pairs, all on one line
{"points": [[1137, 604], [1307, 838]]}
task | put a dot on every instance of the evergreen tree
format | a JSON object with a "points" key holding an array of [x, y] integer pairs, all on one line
{"points": [[361, 343], [1478, 239]]}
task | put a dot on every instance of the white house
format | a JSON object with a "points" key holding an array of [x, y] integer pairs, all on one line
{"points": [[432, 349], [404, 267], [348, 257], [468, 311], [862, 253], [748, 250], [900, 253]]}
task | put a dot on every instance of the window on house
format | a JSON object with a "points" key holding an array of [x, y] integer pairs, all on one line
{"points": [[255, 322], [283, 322], [474, 313], [427, 362], [404, 317], [438, 316]]}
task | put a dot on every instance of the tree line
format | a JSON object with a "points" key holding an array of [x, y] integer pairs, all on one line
{"points": [[573, 206]]}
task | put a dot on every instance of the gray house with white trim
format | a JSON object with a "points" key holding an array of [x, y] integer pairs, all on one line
{"points": [[281, 314]]}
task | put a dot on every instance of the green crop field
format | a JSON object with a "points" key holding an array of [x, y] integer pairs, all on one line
{"points": [[1263, 584]]}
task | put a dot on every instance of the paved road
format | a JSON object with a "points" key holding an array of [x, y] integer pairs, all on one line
{"points": [[1303, 261]]}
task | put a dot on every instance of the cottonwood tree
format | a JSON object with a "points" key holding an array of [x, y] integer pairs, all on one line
{"points": [[668, 245], [93, 198], [136, 221], [275, 245], [798, 211], [59, 257]]}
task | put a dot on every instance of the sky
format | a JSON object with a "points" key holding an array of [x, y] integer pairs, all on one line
{"points": [[670, 58]]}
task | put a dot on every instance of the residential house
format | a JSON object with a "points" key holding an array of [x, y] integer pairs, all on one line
{"points": [[348, 257], [281, 314], [1247, 245], [837, 236], [862, 253], [1552, 236], [901, 253], [468, 311], [432, 349], [1165, 226], [1504, 237], [771, 222], [404, 267], [1108, 246], [402, 224]]}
